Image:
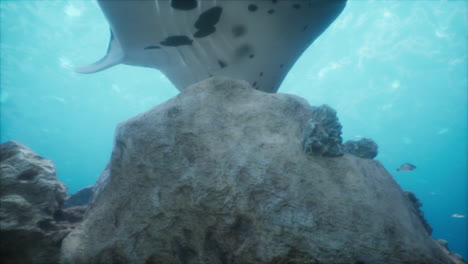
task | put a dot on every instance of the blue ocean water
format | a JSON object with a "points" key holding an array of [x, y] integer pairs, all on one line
{"points": [[395, 71]]}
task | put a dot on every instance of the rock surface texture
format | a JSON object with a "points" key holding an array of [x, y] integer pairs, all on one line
{"points": [[364, 148], [322, 134], [417, 208], [30, 199], [218, 175], [81, 198]]}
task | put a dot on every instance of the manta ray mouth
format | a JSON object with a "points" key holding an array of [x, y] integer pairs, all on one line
{"points": [[191, 40]]}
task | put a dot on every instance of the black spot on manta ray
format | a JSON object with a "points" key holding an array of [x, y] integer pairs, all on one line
{"points": [[251, 56], [152, 47], [252, 8], [281, 65], [243, 50], [209, 18], [274, 1], [297, 6], [238, 30], [304, 28], [184, 4], [271, 11], [174, 41], [222, 64], [261, 74], [204, 32], [206, 22], [254, 84]]}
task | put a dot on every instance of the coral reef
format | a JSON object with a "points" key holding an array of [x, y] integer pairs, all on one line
{"points": [[322, 134], [30, 199], [79, 198], [218, 175], [417, 208], [364, 148]]}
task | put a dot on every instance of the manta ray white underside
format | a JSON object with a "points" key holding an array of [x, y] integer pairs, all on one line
{"points": [[191, 40]]}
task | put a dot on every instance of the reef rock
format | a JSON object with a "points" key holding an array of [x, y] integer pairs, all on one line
{"points": [[322, 134], [218, 175], [76, 205], [30, 197], [417, 209], [81, 198], [364, 148]]}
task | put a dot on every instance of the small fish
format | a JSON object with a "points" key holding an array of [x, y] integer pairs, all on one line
{"points": [[406, 167], [457, 216]]}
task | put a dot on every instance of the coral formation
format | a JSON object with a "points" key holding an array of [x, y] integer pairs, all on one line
{"points": [[364, 148], [322, 134], [218, 175], [30, 200]]}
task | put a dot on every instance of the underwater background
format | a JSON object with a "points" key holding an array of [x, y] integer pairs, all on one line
{"points": [[395, 71]]}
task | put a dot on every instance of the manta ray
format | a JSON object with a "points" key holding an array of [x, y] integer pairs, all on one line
{"points": [[190, 40]]}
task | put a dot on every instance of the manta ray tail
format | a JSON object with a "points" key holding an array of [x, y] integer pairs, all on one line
{"points": [[114, 56]]}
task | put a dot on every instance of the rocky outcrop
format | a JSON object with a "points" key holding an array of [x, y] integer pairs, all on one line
{"points": [[30, 197], [456, 258], [322, 134], [364, 148], [71, 215], [218, 175], [417, 209], [80, 198], [75, 205]]}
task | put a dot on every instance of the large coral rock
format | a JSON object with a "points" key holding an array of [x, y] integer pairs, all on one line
{"points": [[80, 198], [218, 175], [322, 134], [30, 197], [364, 148], [417, 207]]}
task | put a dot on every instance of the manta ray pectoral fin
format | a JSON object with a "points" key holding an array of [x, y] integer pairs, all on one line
{"points": [[113, 57], [104, 63]]}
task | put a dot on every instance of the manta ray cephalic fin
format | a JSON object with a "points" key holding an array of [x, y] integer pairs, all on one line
{"points": [[114, 56]]}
